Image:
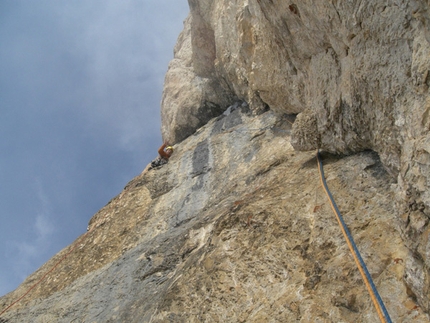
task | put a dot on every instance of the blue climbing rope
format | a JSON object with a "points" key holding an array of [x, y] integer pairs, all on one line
{"points": [[376, 298]]}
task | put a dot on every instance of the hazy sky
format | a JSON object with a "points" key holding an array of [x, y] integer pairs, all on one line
{"points": [[80, 91]]}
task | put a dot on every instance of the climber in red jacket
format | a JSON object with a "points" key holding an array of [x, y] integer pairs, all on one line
{"points": [[164, 152]]}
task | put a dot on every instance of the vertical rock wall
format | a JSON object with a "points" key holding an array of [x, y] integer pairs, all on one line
{"points": [[235, 228], [356, 73]]}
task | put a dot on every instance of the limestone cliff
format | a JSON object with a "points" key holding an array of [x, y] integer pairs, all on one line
{"points": [[236, 227], [356, 73]]}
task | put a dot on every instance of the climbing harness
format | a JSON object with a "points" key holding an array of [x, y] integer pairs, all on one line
{"points": [[376, 299]]}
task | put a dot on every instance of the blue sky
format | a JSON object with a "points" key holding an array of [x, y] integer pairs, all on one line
{"points": [[80, 92]]}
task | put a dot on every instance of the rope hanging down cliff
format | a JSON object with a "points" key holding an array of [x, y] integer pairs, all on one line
{"points": [[376, 299]]}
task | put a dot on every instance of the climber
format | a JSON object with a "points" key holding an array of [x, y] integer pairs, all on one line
{"points": [[164, 153]]}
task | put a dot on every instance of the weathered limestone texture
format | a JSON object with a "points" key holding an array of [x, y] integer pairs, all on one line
{"points": [[191, 96], [357, 73], [235, 228]]}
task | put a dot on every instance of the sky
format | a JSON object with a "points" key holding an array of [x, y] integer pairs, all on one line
{"points": [[80, 90]]}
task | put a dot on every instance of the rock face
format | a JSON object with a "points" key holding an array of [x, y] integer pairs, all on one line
{"points": [[356, 73], [236, 227]]}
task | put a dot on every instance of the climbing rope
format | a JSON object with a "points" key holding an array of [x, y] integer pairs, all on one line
{"points": [[376, 299]]}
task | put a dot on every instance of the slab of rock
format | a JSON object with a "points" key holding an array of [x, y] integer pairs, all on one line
{"points": [[357, 73], [235, 228]]}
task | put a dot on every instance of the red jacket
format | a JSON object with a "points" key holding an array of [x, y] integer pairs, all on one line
{"points": [[163, 153]]}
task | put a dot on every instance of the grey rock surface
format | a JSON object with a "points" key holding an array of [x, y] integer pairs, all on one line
{"points": [[235, 228], [357, 74]]}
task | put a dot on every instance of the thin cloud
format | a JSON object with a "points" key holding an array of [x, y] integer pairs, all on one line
{"points": [[28, 250], [35, 243], [43, 225]]}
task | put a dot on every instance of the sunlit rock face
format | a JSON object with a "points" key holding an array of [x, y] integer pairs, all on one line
{"points": [[356, 73], [236, 227]]}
